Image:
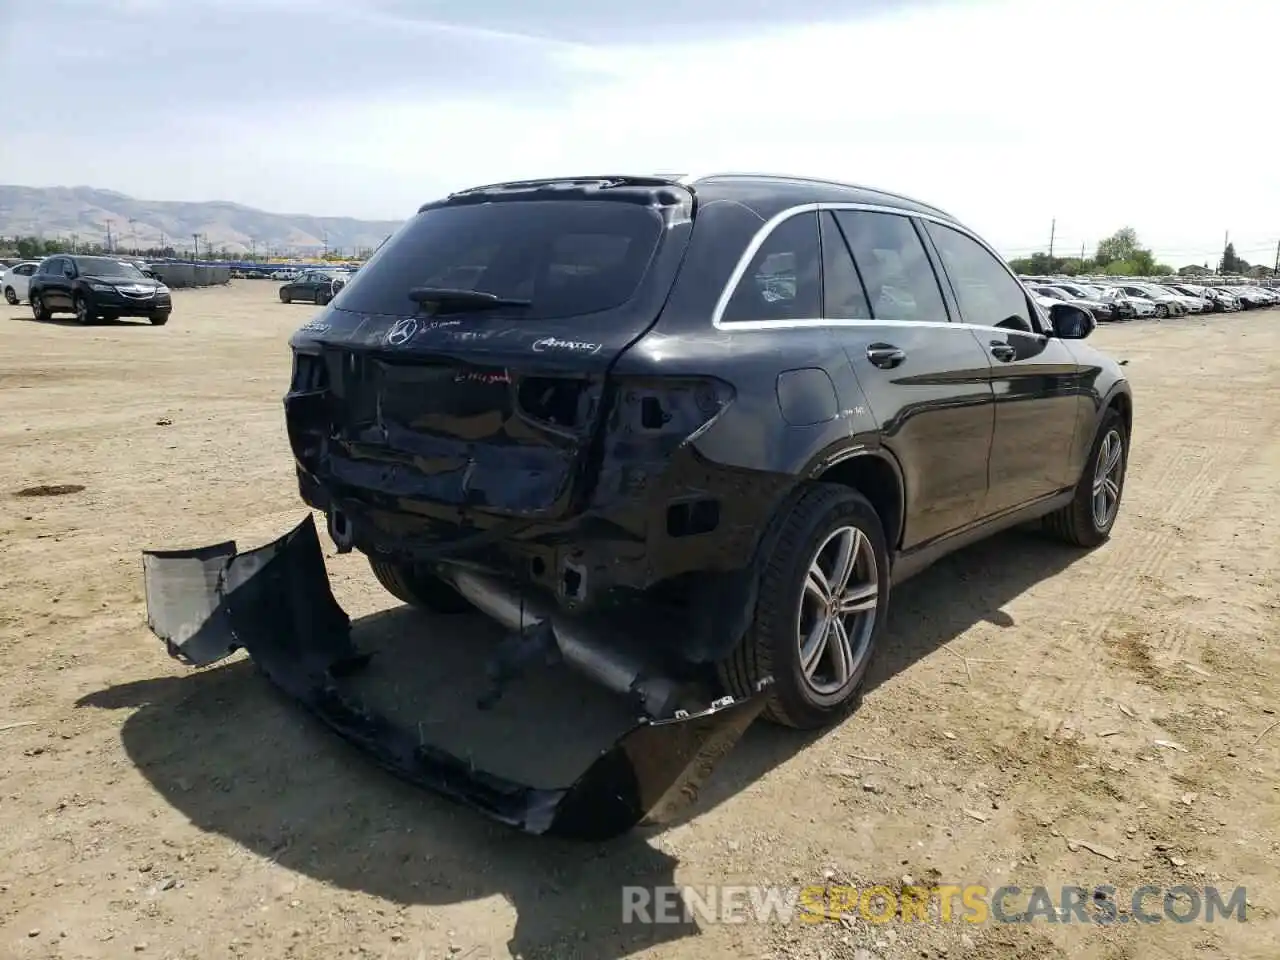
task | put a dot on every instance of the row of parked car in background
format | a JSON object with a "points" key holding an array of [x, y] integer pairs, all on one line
{"points": [[1115, 298], [287, 274], [266, 273]]}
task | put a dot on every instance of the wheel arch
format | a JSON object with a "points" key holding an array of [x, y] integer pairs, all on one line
{"points": [[1121, 400], [875, 473]]}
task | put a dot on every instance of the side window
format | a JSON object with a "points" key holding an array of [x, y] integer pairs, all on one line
{"points": [[899, 280], [986, 293], [783, 280], [843, 296]]}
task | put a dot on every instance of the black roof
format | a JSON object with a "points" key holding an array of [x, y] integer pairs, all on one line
{"points": [[769, 194]]}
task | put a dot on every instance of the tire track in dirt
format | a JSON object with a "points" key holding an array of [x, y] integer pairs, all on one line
{"points": [[1136, 563], [1077, 651]]}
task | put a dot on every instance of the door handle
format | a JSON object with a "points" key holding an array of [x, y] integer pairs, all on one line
{"points": [[1002, 351], [885, 355]]}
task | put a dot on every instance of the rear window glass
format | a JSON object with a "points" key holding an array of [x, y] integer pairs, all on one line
{"points": [[566, 257]]}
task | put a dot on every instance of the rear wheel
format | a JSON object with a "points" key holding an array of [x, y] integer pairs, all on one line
{"points": [[285, 298], [38, 308], [10, 297], [1087, 520], [821, 606], [418, 588], [1161, 311]]}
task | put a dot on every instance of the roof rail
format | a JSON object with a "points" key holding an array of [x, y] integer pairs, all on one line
{"points": [[742, 175]]}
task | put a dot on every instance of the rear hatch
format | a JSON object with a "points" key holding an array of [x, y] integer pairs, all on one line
{"points": [[467, 363]]}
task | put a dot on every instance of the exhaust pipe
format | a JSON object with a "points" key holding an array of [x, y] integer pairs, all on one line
{"points": [[622, 671], [340, 531]]}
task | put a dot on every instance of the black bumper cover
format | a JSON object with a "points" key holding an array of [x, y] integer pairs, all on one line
{"points": [[275, 603]]}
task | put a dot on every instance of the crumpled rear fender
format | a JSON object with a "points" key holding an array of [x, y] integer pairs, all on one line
{"points": [[275, 603]]}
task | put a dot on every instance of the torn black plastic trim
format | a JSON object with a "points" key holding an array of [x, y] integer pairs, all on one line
{"points": [[275, 603]]}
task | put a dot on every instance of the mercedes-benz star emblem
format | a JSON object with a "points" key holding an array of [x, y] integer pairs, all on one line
{"points": [[402, 331]]}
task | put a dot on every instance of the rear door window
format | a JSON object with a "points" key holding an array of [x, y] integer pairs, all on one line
{"points": [[566, 257], [899, 279], [784, 279]]}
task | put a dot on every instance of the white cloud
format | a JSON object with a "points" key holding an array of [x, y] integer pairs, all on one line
{"points": [[1008, 114]]}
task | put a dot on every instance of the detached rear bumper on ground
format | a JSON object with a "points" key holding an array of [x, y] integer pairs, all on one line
{"points": [[275, 603]]}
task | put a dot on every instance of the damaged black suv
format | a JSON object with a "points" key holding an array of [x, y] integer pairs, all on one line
{"points": [[692, 429]]}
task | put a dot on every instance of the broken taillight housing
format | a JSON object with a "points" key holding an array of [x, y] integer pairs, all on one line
{"points": [[672, 408]]}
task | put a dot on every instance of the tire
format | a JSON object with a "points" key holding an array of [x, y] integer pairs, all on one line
{"points": [[158, 319], [10, 297], [826, 518], [1078, 523], [85, 314], [418, 589], [38, 309], [1161, 311], [285, 298]]}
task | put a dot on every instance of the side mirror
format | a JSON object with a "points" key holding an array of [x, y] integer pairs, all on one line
{"points": [[1071, 323]]}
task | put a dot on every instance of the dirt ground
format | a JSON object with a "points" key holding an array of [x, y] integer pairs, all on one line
{"points": [[1038, 716]]}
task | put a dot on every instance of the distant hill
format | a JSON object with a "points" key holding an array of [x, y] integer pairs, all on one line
{"points": [[85, 212]]}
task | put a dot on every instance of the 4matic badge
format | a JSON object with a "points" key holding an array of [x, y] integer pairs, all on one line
{"points": [[570, 346]]}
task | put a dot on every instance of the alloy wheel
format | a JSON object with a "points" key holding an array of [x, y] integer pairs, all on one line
{"points": [[1107, 478], [10, 297], [837, 611]]}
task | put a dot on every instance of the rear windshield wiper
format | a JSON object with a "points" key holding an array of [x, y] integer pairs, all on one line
{"points": [[448, 300]]}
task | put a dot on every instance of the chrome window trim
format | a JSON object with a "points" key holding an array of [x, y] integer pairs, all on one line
{"points": [[761, 235]]}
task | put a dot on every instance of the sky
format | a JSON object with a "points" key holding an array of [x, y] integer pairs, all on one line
{"points": [[1010, 115]]}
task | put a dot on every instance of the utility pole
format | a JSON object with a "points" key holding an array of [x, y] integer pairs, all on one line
{"points": [[1276, 270], [195, 247], [1053, 229], [1082, 254], [110, 246]]}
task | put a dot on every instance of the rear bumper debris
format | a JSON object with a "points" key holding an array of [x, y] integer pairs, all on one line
{"points": [[275, 603]]}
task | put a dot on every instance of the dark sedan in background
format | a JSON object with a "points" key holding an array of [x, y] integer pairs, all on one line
{"points": [[97, 288], [314, 286]]}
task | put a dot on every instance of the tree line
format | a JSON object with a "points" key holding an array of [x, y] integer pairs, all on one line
{"points": [[37, 248], [1119, 255]]}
